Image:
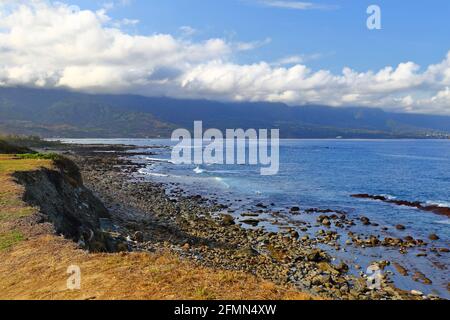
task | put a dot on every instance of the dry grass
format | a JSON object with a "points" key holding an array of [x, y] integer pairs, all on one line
{"points": [[35, 266]]}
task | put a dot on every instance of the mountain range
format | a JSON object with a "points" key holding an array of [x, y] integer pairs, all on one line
{"points": [[52, 113]]}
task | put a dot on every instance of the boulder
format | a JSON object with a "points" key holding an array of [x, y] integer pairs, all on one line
{"points": [[138, 236], [227, 220], [433, 237]]}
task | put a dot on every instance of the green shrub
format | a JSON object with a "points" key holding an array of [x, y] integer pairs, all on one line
{"points": [[39, 156], [9, 239], [28, 141], [8, 148]]}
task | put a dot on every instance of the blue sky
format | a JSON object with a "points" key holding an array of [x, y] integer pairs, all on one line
{"points": [[318, 52], [330, 38]]}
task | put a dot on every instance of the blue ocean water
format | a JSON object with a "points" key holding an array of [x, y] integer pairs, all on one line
{"points": [[324, 174]]}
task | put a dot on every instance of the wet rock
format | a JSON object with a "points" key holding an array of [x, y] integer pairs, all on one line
{"points": [[433, 237], [295, 209], [400, 227], [400, 269], [414, 204], [420, 277], [252, 222], [326, 222], [249, 214], [373, 241], [365, 221], [421, 254]]}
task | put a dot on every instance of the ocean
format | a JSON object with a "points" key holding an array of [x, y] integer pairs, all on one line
{"points": [[324, 174]]}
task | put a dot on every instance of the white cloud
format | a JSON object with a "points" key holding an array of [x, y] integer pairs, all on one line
{"points": [[296, 59], [115, 4], [296, 5], [290, 60], [188, 31], [247, 46], [46, 44]]}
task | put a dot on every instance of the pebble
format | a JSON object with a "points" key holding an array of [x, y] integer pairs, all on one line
{"points": [[416, 293]]}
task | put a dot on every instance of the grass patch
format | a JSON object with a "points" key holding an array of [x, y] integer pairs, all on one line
{"points": [[203, 293], [11, 205], [16, 213], [10, 164], [9, 239], [38, 156]]}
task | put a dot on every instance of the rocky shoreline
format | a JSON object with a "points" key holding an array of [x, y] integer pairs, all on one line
{"points": [[151, 219]]}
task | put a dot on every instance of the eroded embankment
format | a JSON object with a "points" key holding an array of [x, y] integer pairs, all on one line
{"points": [[72, 209]]}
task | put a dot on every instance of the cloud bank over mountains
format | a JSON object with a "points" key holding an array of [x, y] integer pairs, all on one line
{"points": [[48, 44]]}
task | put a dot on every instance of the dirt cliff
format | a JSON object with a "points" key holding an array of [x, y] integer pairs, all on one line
{"points": [[73, 210]]}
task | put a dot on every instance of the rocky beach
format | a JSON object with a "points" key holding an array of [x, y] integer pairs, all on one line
{"points": [[153, 216]]}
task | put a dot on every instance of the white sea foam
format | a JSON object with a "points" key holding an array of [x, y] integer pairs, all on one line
{"points": [[389, 197], [146, 172], [444, 221], [442, 204], [198, 170], [159, 160], [413, 157]]}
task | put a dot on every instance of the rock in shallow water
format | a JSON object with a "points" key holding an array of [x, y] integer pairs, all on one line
{"points": [[433, 237]]}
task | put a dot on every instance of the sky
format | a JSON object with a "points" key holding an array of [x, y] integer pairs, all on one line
{"points": [[296, 52]]}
